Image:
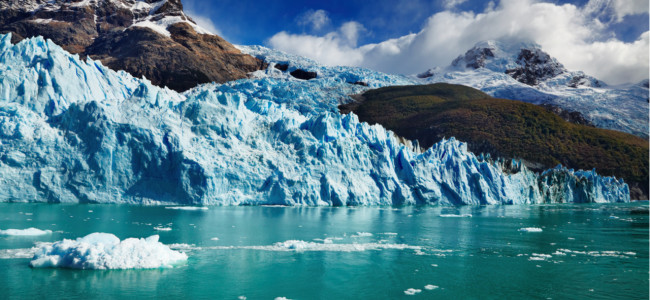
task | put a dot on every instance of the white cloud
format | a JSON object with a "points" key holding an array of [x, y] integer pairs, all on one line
{"points": [[205, 22], [449, 4], [630, 7], [569, 33], [334, 48], [317, 19]]}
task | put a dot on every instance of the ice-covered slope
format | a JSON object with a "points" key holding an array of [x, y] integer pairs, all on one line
{"points": [[83, 133], [522, 71]]}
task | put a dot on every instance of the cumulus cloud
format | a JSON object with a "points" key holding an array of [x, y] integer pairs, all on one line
{"points": [[204, 21], [317, 19], [449, 4], [335, 48], [567, 32]]}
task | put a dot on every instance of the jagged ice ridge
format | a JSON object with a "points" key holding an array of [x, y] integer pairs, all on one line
{"points": [[75, 131]]}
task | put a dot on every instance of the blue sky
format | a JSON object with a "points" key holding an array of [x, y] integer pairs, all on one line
{"points": [[302, 26]]}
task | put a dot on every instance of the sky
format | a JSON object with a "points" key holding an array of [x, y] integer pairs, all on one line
{"points": [[607, 39]]}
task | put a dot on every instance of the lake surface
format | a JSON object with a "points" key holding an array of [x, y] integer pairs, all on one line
{"points": [[582, 252]]}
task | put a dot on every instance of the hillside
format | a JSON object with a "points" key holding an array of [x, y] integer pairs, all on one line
{"points": [[504, 128], [149, 38]]}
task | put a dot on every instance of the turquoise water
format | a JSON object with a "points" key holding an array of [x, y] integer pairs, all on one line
{"points": [[583, 252]]}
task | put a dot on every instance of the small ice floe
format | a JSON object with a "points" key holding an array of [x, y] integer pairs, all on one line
{"points": [[25, 232], [412, 291], [536, 256], [281, 298], [17, 253], [389, 233], [160, 228], [430, 287], [303, 246], [530, 229], [214, 239], [456, 216], [106, 251], [187, 207], [361, 234]]}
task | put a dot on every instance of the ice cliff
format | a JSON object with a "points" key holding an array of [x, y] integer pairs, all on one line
{"points": [[76, 131]]}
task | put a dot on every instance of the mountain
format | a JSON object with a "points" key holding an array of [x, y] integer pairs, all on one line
{"points": [[149, 38], [77, 131], [504, 128], [523, 71]]}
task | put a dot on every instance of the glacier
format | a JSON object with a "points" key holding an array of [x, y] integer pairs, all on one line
{"points": [[72, 130]]}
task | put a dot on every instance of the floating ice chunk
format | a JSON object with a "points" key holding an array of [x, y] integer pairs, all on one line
{"points": [[25, 232], [162, 228], [281, 298], [430, 287], [106, 251], [536, 256], [17, 253], [412, 291], [300, 246], [214, 239], [187, 207], [362, 234], [530, 229], [456, 216]]}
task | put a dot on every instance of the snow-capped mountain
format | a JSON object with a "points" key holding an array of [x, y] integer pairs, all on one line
{"points": [[76, 131], [523, 71], [151, 38]]}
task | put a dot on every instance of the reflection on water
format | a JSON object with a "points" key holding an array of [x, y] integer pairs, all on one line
{"points": [[583, 251]]}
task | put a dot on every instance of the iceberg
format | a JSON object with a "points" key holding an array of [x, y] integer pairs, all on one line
{"points": [[106, 251], [75, 131], [25, 232]]}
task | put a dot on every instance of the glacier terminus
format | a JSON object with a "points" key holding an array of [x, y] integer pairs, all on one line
{"points": [[72, 130]]}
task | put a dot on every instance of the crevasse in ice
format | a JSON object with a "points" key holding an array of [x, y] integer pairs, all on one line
{"points": [[75, 131]]}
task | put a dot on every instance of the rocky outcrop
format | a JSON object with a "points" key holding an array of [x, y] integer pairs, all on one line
{"points": [[535, 65], [149, 38]]}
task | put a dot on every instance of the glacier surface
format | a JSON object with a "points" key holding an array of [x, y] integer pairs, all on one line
{"points": [[75, 131], [106, 251]]}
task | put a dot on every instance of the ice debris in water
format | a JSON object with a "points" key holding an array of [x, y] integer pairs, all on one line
{"points": [[456, 216], [412, 291], [106, 251], [430, 287], [187, 207], [25, 232], [362, 234], [257, 141], [162, 228], [302, 246], [530, 229]]}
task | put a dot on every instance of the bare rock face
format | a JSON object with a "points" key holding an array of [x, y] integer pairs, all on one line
{"points": [[147, 38], [535, 65]]}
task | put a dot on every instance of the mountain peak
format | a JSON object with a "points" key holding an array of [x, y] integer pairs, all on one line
{"points": [[149, 38], [524, 61]]}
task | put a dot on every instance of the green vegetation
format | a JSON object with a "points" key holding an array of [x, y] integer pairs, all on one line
{"points": [[504, 128]]}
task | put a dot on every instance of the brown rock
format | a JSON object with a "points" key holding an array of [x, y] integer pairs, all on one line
{"points": [[103, 31]]}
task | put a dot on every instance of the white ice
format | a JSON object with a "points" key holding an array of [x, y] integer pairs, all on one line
{"points": [[106, 251]]}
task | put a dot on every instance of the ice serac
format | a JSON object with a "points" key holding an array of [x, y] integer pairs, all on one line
{"points": [[74, 131], [523, 71]]}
